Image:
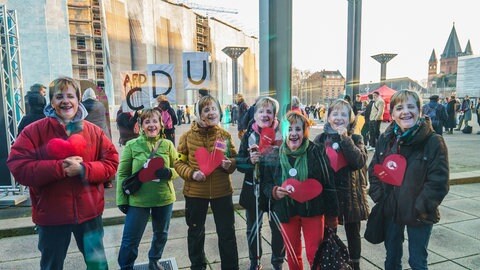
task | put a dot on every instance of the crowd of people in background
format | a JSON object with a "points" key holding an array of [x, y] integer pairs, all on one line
{"points": [[64, 154]]}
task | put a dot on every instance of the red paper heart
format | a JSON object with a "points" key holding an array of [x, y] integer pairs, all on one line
{"points": [[392, 170], [149, 169], [58, 148], [337, 159], [302, 191], [267, 139], [207, 161]]}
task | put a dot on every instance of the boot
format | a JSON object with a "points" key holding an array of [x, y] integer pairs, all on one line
{"points": [[155, 265], [356, 266]]}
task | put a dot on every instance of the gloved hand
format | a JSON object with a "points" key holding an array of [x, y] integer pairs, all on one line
{"points": [[123, 208], [331, 222], [164, 174]]}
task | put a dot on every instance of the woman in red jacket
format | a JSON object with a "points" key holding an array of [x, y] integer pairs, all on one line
{"points": [[65, 161]]}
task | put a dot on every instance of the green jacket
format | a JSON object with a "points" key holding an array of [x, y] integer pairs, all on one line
{"points": [[151, 194]]}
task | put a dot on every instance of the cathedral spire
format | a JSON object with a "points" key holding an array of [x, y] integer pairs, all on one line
{"points": [[468, 49], [452, 48]]}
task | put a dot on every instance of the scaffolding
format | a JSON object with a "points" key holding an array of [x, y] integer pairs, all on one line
{"points": [[12, 103]]}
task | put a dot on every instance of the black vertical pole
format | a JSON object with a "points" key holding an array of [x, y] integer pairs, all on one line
{"points": [[353, 46]]}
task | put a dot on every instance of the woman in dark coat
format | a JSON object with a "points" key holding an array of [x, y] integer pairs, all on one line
{"points": [[351, 176], [411, 201], [452, 115], [37, 103]]}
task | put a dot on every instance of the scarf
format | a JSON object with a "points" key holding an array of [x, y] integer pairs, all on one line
{"points": [[406, 136], [301, 161]]}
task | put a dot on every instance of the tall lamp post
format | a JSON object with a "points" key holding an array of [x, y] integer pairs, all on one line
{"points": [[234, 53]]}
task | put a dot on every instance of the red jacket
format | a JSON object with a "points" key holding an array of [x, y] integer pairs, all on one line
{"points": [[56, 198]]}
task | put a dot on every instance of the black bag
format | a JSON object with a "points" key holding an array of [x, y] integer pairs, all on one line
{"points": [[375, 230], [332, 253], [467, 130], [131, 184]]}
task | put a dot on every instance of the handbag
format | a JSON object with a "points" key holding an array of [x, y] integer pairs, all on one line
{"points": [[375, 230], [332, 253], [132, 184]]}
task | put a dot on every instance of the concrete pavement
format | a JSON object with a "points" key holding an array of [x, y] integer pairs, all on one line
{"points": [[455, 242]]}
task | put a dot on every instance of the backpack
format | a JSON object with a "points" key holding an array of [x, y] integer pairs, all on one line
{"points": [[166, 119]]}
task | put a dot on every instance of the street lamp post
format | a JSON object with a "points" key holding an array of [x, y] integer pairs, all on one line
{"points": [[234, 53]]}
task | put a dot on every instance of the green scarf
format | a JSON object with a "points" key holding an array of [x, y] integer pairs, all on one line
{"points": [[301, 162]]}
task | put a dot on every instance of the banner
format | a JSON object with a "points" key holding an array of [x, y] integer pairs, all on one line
{"points": [[161, 80], [196, 70], [135, 93]]}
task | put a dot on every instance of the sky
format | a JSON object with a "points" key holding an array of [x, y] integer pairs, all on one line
{"points": [[409, 28]]}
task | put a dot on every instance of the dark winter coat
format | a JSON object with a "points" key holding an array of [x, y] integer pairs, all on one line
{"points": [[96, 114], [318, 168], [451, 112], [36, 105], [350, 181], [425, 183]]}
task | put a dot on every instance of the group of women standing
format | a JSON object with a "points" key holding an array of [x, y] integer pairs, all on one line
{"points": [[279, 170]]}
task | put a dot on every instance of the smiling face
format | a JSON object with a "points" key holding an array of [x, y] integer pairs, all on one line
{"points": [[264, 116], [406, 113], [295, 135], [151, 125], [65, 102], [339, 117], [210, 114]]}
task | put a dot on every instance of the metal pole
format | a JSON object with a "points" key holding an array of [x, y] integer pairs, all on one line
{"points": [[353, 46]]}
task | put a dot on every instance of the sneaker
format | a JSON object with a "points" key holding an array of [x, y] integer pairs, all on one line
{"points": [[369, 148]]}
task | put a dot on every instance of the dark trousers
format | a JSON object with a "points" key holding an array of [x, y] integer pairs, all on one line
{"points": [[223, 214], [54, 240], [366, 132], [278, 249], [374, 132], [135, 223], [352, 230]]}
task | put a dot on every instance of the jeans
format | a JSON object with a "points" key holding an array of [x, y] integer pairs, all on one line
{"points": [[223, 214], [418, 237], [135, 223], [54, 240], [278, 249], [374, 130]]}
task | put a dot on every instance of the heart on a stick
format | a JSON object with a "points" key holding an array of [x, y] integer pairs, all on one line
{"points": [[337, 159], [147, 173], [267, 138], [207, 161], [392, 170], [58, 148], [302, 191]]}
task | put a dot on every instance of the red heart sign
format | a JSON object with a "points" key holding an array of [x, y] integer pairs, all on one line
{"points": [[58, 148], [337, 159], [267, 138], [207, 161], [149, 169], [302, 191], [392, 170]]}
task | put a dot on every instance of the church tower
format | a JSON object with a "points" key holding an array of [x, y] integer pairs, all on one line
{"points": [[432, 68], [449, 57]]}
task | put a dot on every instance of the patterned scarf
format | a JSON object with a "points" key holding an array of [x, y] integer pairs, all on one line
{"points": [[301, 161]]}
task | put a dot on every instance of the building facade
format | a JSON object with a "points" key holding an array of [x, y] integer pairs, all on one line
{"points": [[468, 79], [322, 86]]}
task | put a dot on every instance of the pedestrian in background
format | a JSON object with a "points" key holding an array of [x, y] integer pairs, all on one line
{"points": [[351, 180], [154, 198], [413, 202], [168, 117], [250, 156], [66, 188], [301, 159], [452, 115], [187, 112], [96, 110], [127, 125], [34, 90], [366, 126], [37, 103], [376, 117], [242, 108], [202, 190]]}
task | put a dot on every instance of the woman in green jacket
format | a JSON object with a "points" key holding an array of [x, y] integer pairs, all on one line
{"points": [[154, 198]]}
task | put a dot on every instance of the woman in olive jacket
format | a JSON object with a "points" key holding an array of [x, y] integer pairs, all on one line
{"points": [[300, 159], [351, 179], [414, 202]]}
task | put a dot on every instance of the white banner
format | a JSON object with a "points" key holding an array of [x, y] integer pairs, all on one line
{"points": [[135, 93], [196, 70], [162, 81]]}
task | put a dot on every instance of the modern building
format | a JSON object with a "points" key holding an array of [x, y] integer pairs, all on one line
{"points": [[468, 79], [444, 82], [95, 40]]}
